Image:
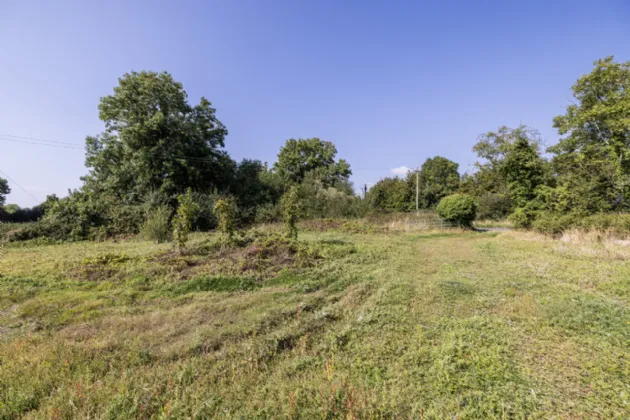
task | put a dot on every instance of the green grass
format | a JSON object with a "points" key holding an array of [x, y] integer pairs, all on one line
{"points": [[361, 325]]}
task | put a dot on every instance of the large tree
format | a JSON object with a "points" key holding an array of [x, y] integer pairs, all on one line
{"points": [[510, 168], [390, 195], [592, 160], [299, 157], [154, 140], [438, 178], [523, 170]]}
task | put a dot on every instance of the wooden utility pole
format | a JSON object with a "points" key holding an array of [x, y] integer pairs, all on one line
{"points": [[417, 191]]}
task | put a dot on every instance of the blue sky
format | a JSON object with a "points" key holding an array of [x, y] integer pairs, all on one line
{"points": [[389, 82]]}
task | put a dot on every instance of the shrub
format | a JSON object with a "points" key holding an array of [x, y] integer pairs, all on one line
{"points": [[553, 223], [458, 208], [491, 206], [156, 227], [268, 213], [521, 218], [617, 222], [183, 220], [292, 208], [205, 219], [225, 210]]}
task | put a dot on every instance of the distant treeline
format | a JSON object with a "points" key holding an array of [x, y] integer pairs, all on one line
{"points": [[156, 146]]}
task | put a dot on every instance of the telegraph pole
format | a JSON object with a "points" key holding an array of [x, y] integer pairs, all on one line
{"points": [[417, 191]]}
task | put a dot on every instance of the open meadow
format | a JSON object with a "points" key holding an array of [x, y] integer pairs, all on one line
{"points": [[347, 323]]}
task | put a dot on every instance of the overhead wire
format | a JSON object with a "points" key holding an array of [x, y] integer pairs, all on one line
{"points": [[39, 140], [163, 155], [20, 187]]}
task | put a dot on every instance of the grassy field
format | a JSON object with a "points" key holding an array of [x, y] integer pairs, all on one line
{"points": [[356, 325]]}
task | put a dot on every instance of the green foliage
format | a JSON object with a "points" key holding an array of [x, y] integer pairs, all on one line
{"points": [[511, 166], [438, 178], [12, 213], [616, 222], [298, 157], [522, 169], [253, 186], [11, 208], [292, 210], [337, 200], [225, 210], [187, 211], [156, 228], [268, 213], [553, 223], [458, 208], [205, 219], [593, 158], [493, 206], [150, 132], [390, 195], [4, 190], [521, 218]]}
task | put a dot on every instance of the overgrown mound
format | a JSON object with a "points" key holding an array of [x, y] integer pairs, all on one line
{"points": [[274, 250], [253, 254]]}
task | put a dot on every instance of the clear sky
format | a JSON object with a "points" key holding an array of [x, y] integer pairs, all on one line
{"points": [[389, 82]]}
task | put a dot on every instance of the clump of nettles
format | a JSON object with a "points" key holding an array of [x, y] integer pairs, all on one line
{"points": [[291, 210], [225, 210], [182, 222]]}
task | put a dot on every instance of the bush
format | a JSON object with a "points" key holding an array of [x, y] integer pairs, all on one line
{"points": [[553, 223], [268, 213], [205, 219], [123, 219], [182, 222], [156, 227], [292, 209], [617, 222], [521, 218], [225, 210], [491, 206], [460, 209]]}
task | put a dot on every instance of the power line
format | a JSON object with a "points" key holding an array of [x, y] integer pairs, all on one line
{"points": [[40, 140], [22, 188], [75, 147]]}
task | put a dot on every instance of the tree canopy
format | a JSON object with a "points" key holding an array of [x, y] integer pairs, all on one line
{"points": [[4, 190], [299, 157], [154, 140], [390, 194], [438, 178], [592, 160]]}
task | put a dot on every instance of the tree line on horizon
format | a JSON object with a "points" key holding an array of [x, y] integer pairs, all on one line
{"points": [[156, 146]]}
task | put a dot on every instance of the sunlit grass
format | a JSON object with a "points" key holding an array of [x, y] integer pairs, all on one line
{"points": [[436, 325]]}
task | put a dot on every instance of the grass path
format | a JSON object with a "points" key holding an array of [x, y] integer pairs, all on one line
{"points": [[447, 325]]}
